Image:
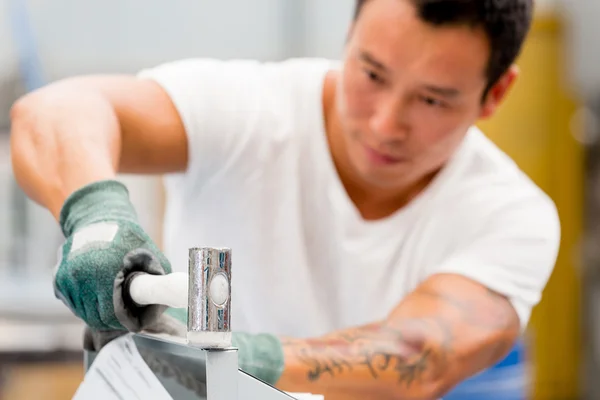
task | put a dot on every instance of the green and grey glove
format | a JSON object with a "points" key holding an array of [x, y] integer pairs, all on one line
{"points": [[260, 355], [104, 248]]}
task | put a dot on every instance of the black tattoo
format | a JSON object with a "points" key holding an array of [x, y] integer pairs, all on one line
{"points": [[379, 348], [408, 371], [317, 368], [415, 350]]}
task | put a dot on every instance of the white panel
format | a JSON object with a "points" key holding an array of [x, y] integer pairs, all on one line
{"points": [[583, 49], [6, 46], [326, 26], [126, 35], [10, 90]]}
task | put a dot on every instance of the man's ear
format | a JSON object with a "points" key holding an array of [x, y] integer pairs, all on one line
{"points": [[498, 92]]}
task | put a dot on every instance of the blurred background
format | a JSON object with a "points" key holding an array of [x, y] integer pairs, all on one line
{"points": [[550, 125]]}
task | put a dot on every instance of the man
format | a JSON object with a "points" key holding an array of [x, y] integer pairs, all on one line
{"points": [[383, 247]]}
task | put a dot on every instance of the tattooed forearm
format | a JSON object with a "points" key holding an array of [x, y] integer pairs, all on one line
{"points": [[443, 332], [383, 351]]}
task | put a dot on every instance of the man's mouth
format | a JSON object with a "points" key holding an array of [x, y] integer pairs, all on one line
{"points": [[379, 158]]}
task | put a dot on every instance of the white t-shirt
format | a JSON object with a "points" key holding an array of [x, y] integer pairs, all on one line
{"points": [[261, 181]]}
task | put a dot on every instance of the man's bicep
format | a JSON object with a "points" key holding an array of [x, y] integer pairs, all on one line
{"points": [[153, 137], [467, 326]]}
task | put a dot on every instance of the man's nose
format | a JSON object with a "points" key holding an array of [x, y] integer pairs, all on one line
{"points": [[389, 119]]}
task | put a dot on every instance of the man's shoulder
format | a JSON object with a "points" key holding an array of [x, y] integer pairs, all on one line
{"points": [[487, 166], [487, 186]]}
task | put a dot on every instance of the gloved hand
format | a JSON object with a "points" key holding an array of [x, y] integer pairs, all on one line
{"points": [[105, 246], [260, 355]]}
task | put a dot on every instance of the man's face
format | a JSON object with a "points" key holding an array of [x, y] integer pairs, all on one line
{"points": [[408, 92]]}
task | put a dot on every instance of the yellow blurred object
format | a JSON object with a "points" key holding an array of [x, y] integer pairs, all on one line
{"points": [[44, 381], [533, 127]]}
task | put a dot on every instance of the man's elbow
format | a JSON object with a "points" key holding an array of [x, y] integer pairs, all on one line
{"points": [[28, 110], [23, 136], [34, 101], [30, 118], [21, 112]]}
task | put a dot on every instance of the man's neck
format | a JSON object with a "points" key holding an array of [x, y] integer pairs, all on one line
{"points": [[372, 202], [375, 203]]}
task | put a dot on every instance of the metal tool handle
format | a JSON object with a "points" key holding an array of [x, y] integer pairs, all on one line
{"points": [[169, 290], [205, 291], [209, 310]]}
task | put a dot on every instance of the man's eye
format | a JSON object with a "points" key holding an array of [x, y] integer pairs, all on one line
{"points": [[373, 76], [430, 101]]}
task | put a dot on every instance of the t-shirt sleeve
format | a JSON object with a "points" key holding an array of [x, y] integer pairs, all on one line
{"points": [[219, 103], [513, 252]]}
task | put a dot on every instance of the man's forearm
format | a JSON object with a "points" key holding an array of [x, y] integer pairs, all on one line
{"points": [[62, 139], [376, 361], [445, 331]]}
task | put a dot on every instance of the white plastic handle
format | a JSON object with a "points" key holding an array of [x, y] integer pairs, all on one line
{"points": [[169, 290]]}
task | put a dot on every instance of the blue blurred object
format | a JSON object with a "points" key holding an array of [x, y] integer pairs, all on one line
{"points": [[507, 380], [31, 73], [26, 45]]}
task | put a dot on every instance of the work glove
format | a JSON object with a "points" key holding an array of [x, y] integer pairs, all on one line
{"points": [[104, 248], [260, 355]]}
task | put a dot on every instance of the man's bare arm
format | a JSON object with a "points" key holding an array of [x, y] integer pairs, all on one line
{"points": [[86, 129], [448, 329]]}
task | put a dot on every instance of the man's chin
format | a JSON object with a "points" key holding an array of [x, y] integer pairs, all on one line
{"points": [[380, 181]]}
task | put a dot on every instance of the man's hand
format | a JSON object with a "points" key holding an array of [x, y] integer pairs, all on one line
{"points": [[447, 330], [104, 246]]}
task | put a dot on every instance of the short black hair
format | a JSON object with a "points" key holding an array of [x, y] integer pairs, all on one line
{"points": [[505, 22]]}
